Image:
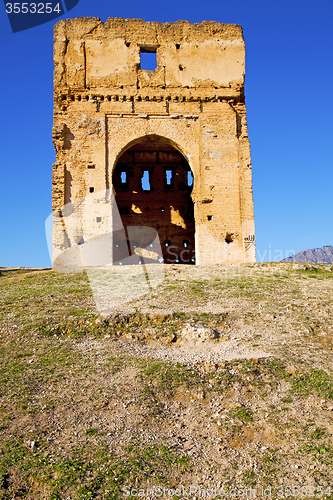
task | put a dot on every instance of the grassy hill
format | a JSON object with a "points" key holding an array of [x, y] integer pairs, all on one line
{"points": [[97, 407]]}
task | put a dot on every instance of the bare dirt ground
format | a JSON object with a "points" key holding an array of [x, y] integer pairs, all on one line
{"points": [[217, 384]]}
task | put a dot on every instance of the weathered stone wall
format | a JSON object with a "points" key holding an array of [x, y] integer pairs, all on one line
{"points": [[105, 104]]}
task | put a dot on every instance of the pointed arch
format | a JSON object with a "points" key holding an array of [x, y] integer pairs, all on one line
{"points": [[187, 156], [152, 185]]}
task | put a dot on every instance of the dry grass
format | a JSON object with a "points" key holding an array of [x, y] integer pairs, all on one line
{"points": [[90, 405]]}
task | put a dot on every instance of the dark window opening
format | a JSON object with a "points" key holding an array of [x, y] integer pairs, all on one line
{"points": [[91, 190], [98, 219], [123, 178], [124, 210], [168, 175], [177, 45], [145, 181], [91, 166], [229, 238], [209, 217], [148, 60], [189, 178]]}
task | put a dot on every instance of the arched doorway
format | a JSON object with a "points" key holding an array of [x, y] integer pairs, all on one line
{"points": [[153, 182]]}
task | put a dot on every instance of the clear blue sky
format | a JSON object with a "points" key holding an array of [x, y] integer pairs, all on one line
{"points": [[288, 84]]}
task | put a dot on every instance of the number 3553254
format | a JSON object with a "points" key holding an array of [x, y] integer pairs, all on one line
{"points": [[32, 8]]}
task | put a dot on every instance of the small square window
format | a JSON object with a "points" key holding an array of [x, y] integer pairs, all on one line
{"points": [[209, 217], [98, 219], [148, 59], [91, 189]]}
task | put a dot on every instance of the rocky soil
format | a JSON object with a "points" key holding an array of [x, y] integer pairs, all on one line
{"points": [[216, 384]]}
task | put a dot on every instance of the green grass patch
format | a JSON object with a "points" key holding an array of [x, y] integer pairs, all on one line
{"points": [[91, 431], [318, 433], [166, 378], [87, 472], [315, 379], [316, 271], [243, 414]]}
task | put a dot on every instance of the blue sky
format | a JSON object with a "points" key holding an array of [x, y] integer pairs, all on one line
{"points": [[288, 85]]}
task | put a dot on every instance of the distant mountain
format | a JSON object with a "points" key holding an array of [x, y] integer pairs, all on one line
{"points": [[323, 255]]}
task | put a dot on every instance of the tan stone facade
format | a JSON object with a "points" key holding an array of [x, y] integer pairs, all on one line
{"points": [[171, 144]]}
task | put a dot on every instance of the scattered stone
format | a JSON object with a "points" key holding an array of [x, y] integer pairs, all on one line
{"points": [[192, 333], [29, 444]]}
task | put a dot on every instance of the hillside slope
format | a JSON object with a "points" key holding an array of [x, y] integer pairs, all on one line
{"points": [[323, 255]]}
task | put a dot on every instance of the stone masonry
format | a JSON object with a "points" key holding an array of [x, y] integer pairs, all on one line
{"points": [[169, 143]]}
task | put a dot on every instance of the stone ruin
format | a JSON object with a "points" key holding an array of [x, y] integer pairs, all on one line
{"points": [[163, 146]]}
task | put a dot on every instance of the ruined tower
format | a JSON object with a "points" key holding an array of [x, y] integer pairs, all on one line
{"points": [[169, 141]]}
